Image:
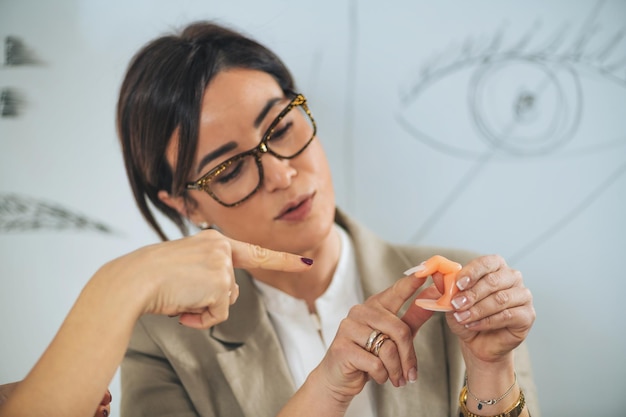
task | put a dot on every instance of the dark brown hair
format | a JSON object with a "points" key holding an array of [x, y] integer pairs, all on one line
{"points": [[162, 93]]}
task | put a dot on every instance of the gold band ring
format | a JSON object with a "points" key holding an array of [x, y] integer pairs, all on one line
{"points": [[378, 343], [370, 340]]}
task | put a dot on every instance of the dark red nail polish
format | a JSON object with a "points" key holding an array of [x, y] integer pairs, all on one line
{"points": [[307, 261]]}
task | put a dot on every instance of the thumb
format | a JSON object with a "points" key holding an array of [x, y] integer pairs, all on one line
{"points": [[415, 316]]}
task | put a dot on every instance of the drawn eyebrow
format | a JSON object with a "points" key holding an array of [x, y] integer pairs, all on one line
{"points": [[233, 145]]}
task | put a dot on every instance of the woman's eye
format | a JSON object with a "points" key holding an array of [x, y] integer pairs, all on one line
{"points": [[281, 131], [231, 173]]}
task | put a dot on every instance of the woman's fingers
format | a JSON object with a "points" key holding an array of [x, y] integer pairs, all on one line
{"points": [[379, 313], [493, 310], [198, 280], [498, 303], [247, 255], [489, 287], [395, 296], [381, 351], [380, 363]]}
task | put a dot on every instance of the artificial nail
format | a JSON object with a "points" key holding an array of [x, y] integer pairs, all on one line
{"points": [[307, 261], [462, 315], [463, 283], [412, 375], [459, 301], [415, 269]]}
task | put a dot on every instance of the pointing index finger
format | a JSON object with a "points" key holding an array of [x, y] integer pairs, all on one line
{"points": [[247, 255]]}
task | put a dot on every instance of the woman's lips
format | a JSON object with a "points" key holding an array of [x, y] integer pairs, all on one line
{"points": [[298, 210]]}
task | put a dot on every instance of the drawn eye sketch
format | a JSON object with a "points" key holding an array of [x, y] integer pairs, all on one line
{"points": [[21, 214], [530, 100]]}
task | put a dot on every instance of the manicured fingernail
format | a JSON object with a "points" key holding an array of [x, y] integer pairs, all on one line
{"points": [[412, 375], [459, 301], [402, 382], [462, 315], [415, 269], [463, 283], [307, 261]]}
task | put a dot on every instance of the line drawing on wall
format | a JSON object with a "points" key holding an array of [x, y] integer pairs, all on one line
{"points": [[537, 116], [20, 213]]}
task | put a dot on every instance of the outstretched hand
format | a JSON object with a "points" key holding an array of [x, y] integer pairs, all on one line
{"points": [[193, 277]]}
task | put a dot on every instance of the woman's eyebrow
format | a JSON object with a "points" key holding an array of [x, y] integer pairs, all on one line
{"points": [[270, 103], [232, 145], [227, 147]]}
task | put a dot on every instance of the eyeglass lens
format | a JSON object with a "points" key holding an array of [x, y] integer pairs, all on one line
{"points": [[237, 178]]}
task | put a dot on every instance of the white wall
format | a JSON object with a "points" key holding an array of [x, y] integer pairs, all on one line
{"points": [[496, 126]]}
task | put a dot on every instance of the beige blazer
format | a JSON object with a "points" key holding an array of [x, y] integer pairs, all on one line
{"points": [[237, 368]]}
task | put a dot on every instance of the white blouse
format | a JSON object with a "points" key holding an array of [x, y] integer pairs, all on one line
{"points": [[305, 337]]}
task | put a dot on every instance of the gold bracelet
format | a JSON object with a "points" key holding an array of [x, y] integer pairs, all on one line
{"points": [[514, 411]]}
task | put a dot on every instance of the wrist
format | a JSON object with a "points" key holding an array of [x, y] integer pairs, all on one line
{"points": [[516, 409], [478, 368], [122, 289], [492, 386], [316, 398]]}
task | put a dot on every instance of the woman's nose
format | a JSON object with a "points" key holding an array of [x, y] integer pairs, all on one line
{"points": [[278, 173]]}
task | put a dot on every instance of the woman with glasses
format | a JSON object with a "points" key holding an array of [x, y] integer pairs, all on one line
{"points": [[215, 133]]}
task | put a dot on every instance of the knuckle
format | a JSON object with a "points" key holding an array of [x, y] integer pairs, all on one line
{"points": [[528, 295], [476, 311], [493, 262], [498, 261], [343, 325], [402, 332], [258, 253], [355, 310], [471, 295], [377, 365], [224, 282], [222, 315], [502, 298], [492, 279]]}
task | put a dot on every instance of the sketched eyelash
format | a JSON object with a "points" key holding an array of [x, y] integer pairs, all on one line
{"points": [[575, 53]]}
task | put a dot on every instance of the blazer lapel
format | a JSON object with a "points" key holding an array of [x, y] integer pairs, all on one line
{"points": [[254, 346]]}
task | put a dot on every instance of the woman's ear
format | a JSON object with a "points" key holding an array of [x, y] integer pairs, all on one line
{"points": [[181, 206]]}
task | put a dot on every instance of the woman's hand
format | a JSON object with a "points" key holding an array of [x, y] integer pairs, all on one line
{"points": [[193, 277], [348, 365], [494, 310]]}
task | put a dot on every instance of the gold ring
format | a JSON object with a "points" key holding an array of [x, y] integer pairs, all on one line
{"points": [[371, 338], [378, 343]]}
